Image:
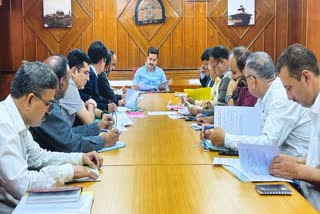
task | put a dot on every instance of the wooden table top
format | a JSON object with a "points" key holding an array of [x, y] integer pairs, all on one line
{"points": [[163, 171]]}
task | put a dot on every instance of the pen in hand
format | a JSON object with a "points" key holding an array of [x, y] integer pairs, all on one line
{"points": [[208, 127]]}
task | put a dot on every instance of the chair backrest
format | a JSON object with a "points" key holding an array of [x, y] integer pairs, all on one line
{"points": [[135, 70]]}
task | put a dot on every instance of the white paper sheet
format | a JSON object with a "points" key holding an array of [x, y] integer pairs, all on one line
{"points": [[238, 120]]}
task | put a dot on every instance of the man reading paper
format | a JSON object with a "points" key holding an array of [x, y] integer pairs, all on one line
{"points": [[150, 77]]}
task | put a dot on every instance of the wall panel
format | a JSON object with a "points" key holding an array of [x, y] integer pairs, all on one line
{"points": [[313, 27], [190, 27]]}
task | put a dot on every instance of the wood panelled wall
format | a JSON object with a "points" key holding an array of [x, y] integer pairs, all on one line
{"points": [[313, 27], [189, 28]]}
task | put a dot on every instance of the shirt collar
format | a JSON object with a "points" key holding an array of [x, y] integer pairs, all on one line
{"points": [[94, 70], [154, 69], [315, 108], [15, 114], [268, 93]]}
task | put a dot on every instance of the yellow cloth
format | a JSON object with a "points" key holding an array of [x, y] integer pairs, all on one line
{"points": [[199, 94]]}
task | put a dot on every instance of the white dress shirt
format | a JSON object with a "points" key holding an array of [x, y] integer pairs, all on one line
{"points": [[310, 191], [23, 164], [284, 123]]}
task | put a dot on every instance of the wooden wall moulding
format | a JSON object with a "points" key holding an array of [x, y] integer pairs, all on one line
{"points": [[149, 12]]}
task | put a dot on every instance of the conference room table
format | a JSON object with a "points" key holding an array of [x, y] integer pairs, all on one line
{"points": [[163, 169]]}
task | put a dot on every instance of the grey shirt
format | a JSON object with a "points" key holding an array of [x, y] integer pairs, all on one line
{"points": [[71, 103]]}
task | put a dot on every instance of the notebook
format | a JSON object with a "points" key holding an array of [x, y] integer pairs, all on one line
{"points": [[273, 189], [54, 194], [83, 205]]}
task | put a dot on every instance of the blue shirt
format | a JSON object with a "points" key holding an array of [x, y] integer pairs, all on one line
{"points": [[153, 79]]}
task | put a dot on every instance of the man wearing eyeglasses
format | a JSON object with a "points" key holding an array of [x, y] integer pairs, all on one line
{"points": [[56, 134], [218, 61], [23, 164], [284, 123]]}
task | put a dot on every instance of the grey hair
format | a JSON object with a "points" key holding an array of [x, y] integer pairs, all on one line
{"points": [[33, 77], [261, 64]]}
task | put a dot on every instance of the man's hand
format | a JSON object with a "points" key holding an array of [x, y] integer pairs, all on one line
{"points": [[217, 136], [206, 105], [82, 172], [190, 100], [92, 102], [122, 102], [285, 166], [233, 84], [124, 89], [92, 159], [194, 110], [202, 119], [106, 122], [112, 107], [203, 69], [110, 138], [135, 87], [205, 134]]}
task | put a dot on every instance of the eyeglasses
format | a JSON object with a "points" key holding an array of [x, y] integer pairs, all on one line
{"points": [[214, 67], [250, 76], [46, 103]]}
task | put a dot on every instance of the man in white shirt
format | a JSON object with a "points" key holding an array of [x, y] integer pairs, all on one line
{"points": [[300, 75], [284, 123], [23, 164]]}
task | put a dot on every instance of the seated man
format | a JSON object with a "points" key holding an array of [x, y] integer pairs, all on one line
{"points": [[150, 75], [284, 123], [219, 62], [56, 134], [104, 87], [99, 56], [23, 164], [205, 78], [72, 105], [300, 75], [208, 104], [237, 91]]}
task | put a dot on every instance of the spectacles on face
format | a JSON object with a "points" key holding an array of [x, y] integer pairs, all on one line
{"points": [[215, 65], [49, 104], [250, 76]]}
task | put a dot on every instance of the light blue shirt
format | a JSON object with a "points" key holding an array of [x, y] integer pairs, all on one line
{"points": [[152, 79]]}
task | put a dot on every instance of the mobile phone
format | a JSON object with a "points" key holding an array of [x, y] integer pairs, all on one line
{"points": [[189, 118], [229, 152]]}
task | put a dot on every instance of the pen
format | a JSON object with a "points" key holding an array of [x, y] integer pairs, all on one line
{"points": [[104, 130], [208, 127], [204, 115]]}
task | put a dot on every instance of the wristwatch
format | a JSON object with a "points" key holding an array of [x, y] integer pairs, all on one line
{"points": [[228, 97]]}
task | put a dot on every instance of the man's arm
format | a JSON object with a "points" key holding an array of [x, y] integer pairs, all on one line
{"points": [[294, 168], [16, 177], [86, 116], [56, 134]]}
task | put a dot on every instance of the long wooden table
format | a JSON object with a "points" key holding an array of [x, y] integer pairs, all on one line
{"points": [[163, 170]]}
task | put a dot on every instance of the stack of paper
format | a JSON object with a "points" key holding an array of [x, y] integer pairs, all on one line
{"points": [[253, 163], [55, 200]]}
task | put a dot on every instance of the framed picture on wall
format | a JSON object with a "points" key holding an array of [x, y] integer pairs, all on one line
{"points": [[57, 13], [241, 13], [149, 12]]}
